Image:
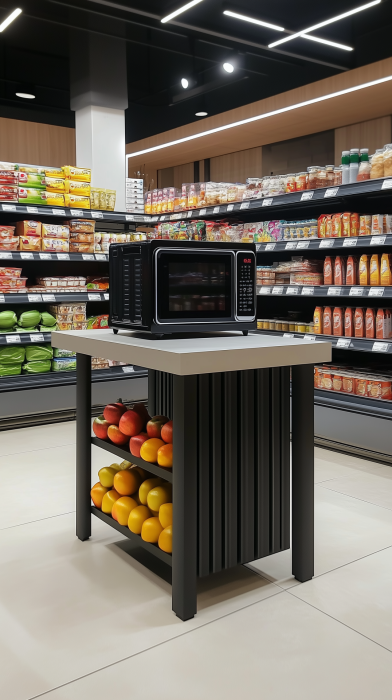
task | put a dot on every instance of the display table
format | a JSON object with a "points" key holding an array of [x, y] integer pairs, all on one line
{"points": [[229, 399]]}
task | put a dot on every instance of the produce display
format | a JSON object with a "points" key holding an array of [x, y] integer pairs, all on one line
{"points": [[29, 359], [151, 439], [371, 382]]}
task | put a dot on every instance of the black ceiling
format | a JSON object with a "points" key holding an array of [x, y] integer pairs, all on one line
{"points": [[34, 53]]}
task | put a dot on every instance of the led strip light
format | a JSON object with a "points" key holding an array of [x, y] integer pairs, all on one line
{"points": [[330, 96]]}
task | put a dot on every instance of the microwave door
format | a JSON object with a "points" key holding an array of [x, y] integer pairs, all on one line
{"points": [[194, 286]]}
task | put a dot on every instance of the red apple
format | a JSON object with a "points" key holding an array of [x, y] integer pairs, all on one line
{"points": [[113, 412], [116, 436], [136, 442], [154, 426], [131, 423], [142, 411], [100, 427], [167, 432]]}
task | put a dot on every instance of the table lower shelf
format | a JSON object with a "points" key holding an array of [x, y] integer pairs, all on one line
{"points": [[136, 539], [166, 474]]}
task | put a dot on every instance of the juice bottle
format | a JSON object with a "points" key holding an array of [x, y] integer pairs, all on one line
{"points": [[352, 270], [339, 270], [354, 225], [386, 274], [328, 275], [359, 323], [346, 224], [370, 323], [374, 270], [348, 322], [318, 320], [364, 270], [327, 321], [381, 324], [338, 321]]}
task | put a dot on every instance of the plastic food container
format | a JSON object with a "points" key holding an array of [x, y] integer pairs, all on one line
{"points": [[10, 243], [67, 309], [7, 231], [82, 326], [64, 318], [55, 245], [13, 282], [10, 272], [29, 243], [64, 326]]}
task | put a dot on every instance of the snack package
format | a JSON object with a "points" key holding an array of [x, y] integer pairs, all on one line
{"points": [[30, 243], [101, 283], [28, 228], [77, 237], [57, 352], [55, 231], [8, 193], [55, 184], [55, 245], [80, 174], [8, 177], [77, 187], [94, 322], [7, 232], [82, 226], [31, 195], [10, 272], [34, 180], [77, 201], [55, 199], [81, 247], [55, 172], [63, 364]]}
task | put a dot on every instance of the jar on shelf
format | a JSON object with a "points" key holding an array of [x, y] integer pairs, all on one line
{"points": [[337, 176], [377, 164], [364, 165], [290, 183], [388, 160], [322, 177], [330, 175], [313, 177], [300, 182]]}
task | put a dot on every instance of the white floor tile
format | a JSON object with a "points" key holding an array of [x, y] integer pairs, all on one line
{"points": [[37, 438], [346, 529], [334, 465], [68, 608], [359, 595], [279, 648], [371, 488]]}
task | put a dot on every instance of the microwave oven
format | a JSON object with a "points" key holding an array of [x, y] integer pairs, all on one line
{"points": [[165, 286]]}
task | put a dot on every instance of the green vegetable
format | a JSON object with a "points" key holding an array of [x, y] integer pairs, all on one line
{"points": [[37, 367], [7, 319], [28, 319], [19, 329], [11, 355], [8, 330], [39, 352], [10, 370], [47, 319], [47, 329]]}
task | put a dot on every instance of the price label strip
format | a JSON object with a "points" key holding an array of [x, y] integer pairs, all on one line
{"points": [[309, 337], [292, 290], [356, 292], [216, 210], [377, 240], [37, 337], [2, 299], [87, 256], [5, 256], [9, 207], [303, 244], [32, 210], [45, 256], [343, 343], [244, 205], [230, 207], [27, 256], [288, 335], [267, 202], [264, 290], [291, 245], [326, 243], [307, 291], [34, 297], [94, 297], [106, 296], [381, 347], [331, 192], [376, 292], [334, 291], [62, 256], [48, 297], [306, 196], [386, 185], [77, 212], [270, 246], [349, 242], [12, 339], [278, 290], [100, 256], [189, 214], [58, 212], [97, 214], [128, 370]]}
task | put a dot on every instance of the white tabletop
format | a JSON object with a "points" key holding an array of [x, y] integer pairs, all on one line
{"points": [[200, 355]]}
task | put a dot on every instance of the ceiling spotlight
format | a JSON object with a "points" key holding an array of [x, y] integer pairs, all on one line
{"points": [[184, 83], [10, 19], [25, 95], [228, 67], [201, 114]]}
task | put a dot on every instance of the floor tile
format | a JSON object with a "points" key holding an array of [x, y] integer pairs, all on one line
{"points": [[371, 488], [279, 648], [359, 595], [68, 608], [37, 437], [333, 465], [346, 529]]}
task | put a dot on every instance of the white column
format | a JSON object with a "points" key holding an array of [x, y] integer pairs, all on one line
{"points": [[100, 145]]}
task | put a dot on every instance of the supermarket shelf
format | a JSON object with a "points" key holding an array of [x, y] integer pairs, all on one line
{"points": [[24, 338], [52, 379], [325, 291], [52, 297], [136, 539], [19, 256], [357, 344], [354, 404], [66, 213], [326, 244], [166, 474]]}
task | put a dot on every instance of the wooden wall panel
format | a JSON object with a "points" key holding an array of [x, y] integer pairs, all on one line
{"points": [[236, 167], [295, 155], [372, 134], [37, 144]]}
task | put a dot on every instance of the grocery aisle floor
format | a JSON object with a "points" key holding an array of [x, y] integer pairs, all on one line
{"points": [[85, 620]]}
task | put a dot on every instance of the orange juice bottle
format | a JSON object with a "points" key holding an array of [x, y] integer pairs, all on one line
{"points": [[370, 322], [318, 320], [364, 270], [327, 321], [386, 273], [359, 323], [374, 270]]}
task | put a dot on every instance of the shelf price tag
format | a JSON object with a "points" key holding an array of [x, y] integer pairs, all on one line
{"points": [[291, 245], [106, 296], [5, 256], [331, 192], [356, 291], [349, 242], [9, 207], [230, 207], [278, 290], [307, 291], [128, 370], [175, 217], [244, 205], [216, 210], [32, 210], [48, 297], [377, 240], [34, 297], [97, 214], [309, 337], [27, 256], [100, 256], [292, 290], [326, 243], [129, 217], [334, 291], [386, 185], [58, 212], [62, 256], [303, 244], [94, 297], [258, 247], [306, 196], [12, 339], [267, 202], [189, 215], [343, 343], [376, 292], [202, 212], [2, 299], [77, 212], [264, 290], [155, 218], [45, 256], [87, 256], [288, 335], [37, 337], [270, 246], [381, 347]]}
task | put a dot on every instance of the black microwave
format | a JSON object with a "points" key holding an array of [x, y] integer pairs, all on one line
{"points": [[165, 286]]}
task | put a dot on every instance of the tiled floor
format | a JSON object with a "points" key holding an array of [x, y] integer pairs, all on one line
{"points": [[85, 620]]}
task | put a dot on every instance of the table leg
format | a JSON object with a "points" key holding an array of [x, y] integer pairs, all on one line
{"points": [[83, 446], [303, 471], [184, 566]]}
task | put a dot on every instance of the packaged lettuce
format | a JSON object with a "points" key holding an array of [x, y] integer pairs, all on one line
{"points": [[39, 352], [57, 352], [47, 329], [19, 329], [47, 319], [37, 367], [10, 370], [12, 355], [64, 364]]}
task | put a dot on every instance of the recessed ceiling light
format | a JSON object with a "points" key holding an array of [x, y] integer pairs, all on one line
{"points": [[184, 83], [201, 114], [253, 21], [228, 67], [258, 117], [324, 24], [10, 19], [25, 95], [182, 9]]}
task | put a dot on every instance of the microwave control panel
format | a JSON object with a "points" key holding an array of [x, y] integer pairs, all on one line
{"points": [[246, 270]]}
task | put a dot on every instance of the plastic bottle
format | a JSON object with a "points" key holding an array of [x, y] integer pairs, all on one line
{"points": [[339, 274], [374, 271], [348, 322], [386, 273], [370, 323], [327, 321], [345, 167], [364, 270], [359, 322], [352, 271], [354, 164], [318, 320], [381, 325], [338, 321], [364, 165], [328, 275]]}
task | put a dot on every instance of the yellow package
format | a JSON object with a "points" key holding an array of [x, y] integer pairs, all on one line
{"points": [[110, 199], [55, 184], [374, 271], [94, 196], [55, 199], [386, 272], [75, 187], [81, 174], [77, 201], [55, 172], [364, 270], [103, 199]]}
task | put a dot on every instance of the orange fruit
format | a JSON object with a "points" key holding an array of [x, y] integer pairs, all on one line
{"points": [[149, 449], [127, 482], [166, 514], [159, 495], [146, 486], [137, 517], [151, 529], [165, 540], [142, 472], [165, 455], [97, 493], [122, 508], [109, 500]]}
